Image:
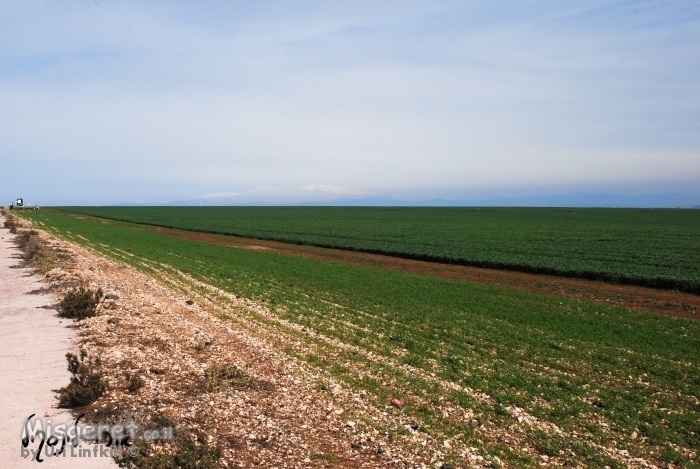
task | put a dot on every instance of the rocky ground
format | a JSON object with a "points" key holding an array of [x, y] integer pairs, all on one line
{"points": [[192, 368]]}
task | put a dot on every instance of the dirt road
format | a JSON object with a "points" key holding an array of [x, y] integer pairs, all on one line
{"points": [[32, 361]]}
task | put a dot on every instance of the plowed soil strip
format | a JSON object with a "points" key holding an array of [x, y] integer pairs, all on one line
{"points": [[670, 303]]}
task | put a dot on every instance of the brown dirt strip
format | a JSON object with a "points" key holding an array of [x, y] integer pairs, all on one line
{"points": [[670, 303]]}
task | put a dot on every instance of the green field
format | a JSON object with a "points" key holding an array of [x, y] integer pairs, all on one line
{"points": [[619, 379], [656, 248]]}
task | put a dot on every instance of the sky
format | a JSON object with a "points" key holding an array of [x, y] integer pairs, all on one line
{"points": [[279, 102]]}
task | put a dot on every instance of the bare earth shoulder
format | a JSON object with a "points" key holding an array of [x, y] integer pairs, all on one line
{"points": [[251, 399]]}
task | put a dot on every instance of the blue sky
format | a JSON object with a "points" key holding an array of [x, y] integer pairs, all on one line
{"points": [[118, 102]]}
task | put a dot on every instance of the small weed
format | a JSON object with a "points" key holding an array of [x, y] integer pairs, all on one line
{"points": [[86, 384], [134, 383], [316, 360], [322, 386], [23, 238], [36, 251], [79, 303], [218, 378], [32, 248], [9, 223], [31, 245], [326, 457], [189, 451]]}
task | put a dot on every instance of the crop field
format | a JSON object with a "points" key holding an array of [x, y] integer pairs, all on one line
{"points": [[656, 248], [524, 377]]}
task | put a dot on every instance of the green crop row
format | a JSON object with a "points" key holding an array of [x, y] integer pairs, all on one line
{"points": [[615, 377], [656, 248]]}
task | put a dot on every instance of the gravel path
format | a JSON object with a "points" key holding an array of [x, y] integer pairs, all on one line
{"points": [[32, 361]]}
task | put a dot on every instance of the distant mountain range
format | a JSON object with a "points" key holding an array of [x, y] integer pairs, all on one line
{"points": [[339, 196], [583, 200], [319, 194]]}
